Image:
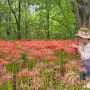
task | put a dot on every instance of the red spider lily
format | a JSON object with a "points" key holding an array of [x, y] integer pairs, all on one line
{"points": [[48, 45], [34, 72], [58, 48], [35, 53], [73, 62], [34, 48], [40, 53], [3, 62], [52, 58], [16, 52], [22, 73], [38, 79], [34, 44], [69, 50], [2, 69], [72, 78], [31, 58], [46, 51], [68, 65], [82, 69]]}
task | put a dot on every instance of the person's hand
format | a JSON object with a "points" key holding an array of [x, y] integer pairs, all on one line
{"points": [[77, 49], [74, 46]]}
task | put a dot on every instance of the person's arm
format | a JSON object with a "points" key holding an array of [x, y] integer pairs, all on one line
{"points": [[77, 49], [84, 55]]}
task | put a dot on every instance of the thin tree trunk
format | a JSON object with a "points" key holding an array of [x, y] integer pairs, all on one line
{"points": [[47, 16], [7, 19], [19, 18], [13, 12], [26, 26]]}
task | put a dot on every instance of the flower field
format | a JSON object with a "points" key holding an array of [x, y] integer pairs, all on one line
{"points": [[40, 65]]}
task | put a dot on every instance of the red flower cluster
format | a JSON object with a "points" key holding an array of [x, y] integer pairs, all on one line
{"points": [[34, 49]]}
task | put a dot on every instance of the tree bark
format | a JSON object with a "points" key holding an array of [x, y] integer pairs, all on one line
{"points": [[17, 18], [12, 11], [81, 10], [47, 16]]}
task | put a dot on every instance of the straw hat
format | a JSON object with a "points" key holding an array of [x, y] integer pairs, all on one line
{"points": [[83, 32]]}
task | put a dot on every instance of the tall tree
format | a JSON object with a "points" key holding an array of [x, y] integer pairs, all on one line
{"points": [[17, 18], [47, 17], [81, 10], [7, 20]]}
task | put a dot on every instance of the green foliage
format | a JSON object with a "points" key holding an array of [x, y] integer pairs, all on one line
{"points": [[62, 22]]}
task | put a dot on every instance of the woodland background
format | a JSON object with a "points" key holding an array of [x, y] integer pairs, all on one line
{"points": [[43, 19]]}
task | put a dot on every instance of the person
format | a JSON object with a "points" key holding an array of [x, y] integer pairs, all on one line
{"points": [[83, 51]]}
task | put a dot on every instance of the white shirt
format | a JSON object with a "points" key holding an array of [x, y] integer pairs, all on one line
{"points": [[85, 51]]}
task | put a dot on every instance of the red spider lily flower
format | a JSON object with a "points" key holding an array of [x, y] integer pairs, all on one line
{"points": [[36, 70], [82, 69], [2, 69], [58, 48], [32, 73], [66, 59], [68, 65], [48, 45], [35, 53], [3, 62], [31, 57], [69, 50], [72, 78], [23, 73], [46, 51], [16, 52], [35, 80], [40, 53], [73, 62], [52, 58], [38, 79]]}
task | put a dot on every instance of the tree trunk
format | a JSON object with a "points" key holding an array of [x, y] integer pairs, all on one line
{"points": [[81, 10], [7, 19], [17, 19], [26, 25], [47, 16]]}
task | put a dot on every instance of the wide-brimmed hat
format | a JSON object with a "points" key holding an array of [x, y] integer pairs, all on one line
{"points": [[83, 33]]}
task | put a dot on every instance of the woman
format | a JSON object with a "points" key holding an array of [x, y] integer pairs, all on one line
{"points": [[83, 50]]}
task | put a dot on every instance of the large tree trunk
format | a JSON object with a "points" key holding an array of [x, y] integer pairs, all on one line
{"points": [[17, 18], [81, 10]]}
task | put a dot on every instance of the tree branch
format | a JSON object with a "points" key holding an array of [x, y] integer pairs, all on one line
{"points": [[12, 11]]}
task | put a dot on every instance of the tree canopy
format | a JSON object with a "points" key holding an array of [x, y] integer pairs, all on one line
{"points": [[43, 19]]}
